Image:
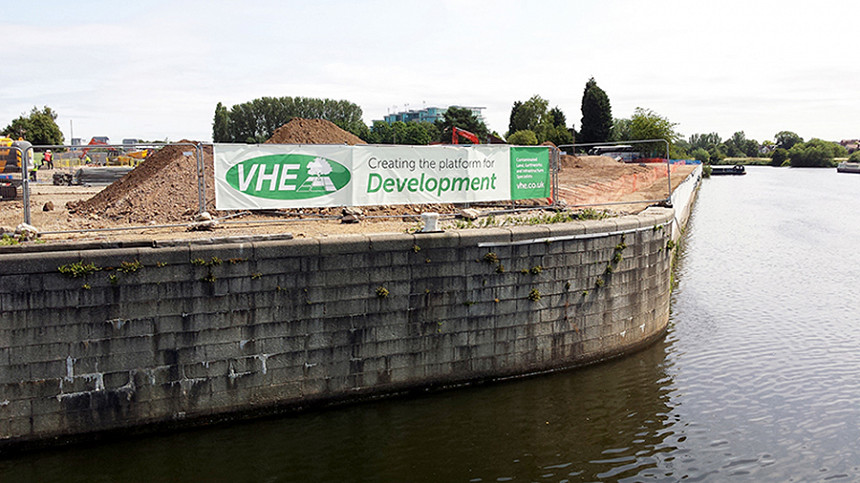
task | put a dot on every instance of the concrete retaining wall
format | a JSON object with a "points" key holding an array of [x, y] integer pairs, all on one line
{"points": [[193, 333]]}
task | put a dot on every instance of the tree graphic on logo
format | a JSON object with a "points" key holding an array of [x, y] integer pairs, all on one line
{"points": [[318, 180]]}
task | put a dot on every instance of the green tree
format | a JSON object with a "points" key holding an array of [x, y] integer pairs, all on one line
{"points": [[39, 128], [596, 125], [221, 125], [462, 118], [712, 143], [517, 119], [381, 133], [739, 146], [855, 157], [621, 130], [815, 153], [647, 124], [359, 129], [787, 139], [558, 117], [702, 155], [705, 141], [558, 135], [779, 157], [417, 133], [523, 138], [529, 115]]}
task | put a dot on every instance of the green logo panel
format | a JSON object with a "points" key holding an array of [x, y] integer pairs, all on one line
{"points": [[288, 176]]}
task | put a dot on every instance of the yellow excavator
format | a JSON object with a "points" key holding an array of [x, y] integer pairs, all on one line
{"points": [[10, 166]]}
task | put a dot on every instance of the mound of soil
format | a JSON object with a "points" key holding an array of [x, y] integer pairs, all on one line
{"points": [[312, 131], [162, 189]]}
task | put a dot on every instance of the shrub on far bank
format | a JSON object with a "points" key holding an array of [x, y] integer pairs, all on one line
{"points": [[815, 153], [779, 157], [855, 157]]}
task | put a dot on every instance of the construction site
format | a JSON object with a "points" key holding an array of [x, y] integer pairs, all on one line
{"points": [[159, 198]]}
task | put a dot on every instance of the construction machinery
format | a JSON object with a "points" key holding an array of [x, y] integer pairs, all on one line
{"points": [[98, 141], [457, 132], [11, 160]]}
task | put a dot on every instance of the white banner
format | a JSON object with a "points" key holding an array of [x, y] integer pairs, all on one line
{"points": [[297, 176]]}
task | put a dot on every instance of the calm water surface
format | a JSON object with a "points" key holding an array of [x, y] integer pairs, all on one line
{"points": [[758, 379]]}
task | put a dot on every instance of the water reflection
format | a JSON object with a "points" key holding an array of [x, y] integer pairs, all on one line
{"points": [[579, 425]]}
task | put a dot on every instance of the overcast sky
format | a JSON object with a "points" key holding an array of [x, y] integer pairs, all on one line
{"points": [[155, 69]]}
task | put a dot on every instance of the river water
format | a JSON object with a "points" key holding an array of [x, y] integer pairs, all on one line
{"points": [[758, 379]]}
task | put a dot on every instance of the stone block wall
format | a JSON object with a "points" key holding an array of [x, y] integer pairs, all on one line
{"points": [[131, 337]]}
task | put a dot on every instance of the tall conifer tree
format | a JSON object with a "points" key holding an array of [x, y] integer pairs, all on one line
{"points": [[596, 114]]}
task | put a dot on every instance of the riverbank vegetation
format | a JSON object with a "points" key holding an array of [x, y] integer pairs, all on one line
{"points": [[533, 122]]}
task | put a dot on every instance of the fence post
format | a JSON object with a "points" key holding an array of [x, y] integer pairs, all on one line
{"points": [[25, 181], [201, 180], [668, 174]]}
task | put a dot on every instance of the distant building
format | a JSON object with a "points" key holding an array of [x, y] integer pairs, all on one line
{"points": [[129, 141], [851, 144], [429, 114]]}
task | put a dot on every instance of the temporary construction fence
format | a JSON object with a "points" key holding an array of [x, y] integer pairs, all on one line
{"points": [[597, 194], [605, 194], [197, 150], [194, 149]]}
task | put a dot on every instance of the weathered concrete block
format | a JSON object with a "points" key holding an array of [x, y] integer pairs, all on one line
{"points": [[299, 247]]}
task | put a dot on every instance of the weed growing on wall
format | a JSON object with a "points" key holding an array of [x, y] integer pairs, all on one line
{"points": [[130, 267], [78, 269]]}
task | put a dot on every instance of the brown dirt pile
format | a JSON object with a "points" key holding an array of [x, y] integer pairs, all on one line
{"points": [[162, 189], [312, 131]]}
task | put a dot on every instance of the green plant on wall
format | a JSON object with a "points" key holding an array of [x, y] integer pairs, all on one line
{"points": [[130, 267], [78, 269], [491, 257]]}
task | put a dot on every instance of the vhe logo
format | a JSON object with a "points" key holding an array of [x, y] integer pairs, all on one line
{"points": [[288, 176]]}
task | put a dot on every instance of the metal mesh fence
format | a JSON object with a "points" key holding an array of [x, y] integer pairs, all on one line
{"points": [[81, 158]]}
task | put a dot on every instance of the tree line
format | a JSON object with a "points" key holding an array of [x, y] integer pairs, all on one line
{"points": [[257, 120], [786, 149], [531, 122]]}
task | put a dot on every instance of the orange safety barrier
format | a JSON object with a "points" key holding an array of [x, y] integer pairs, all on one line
{"points": [[601, 192]]}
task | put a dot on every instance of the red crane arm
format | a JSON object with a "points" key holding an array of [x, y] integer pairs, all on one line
{"points": [[455, 131]]}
